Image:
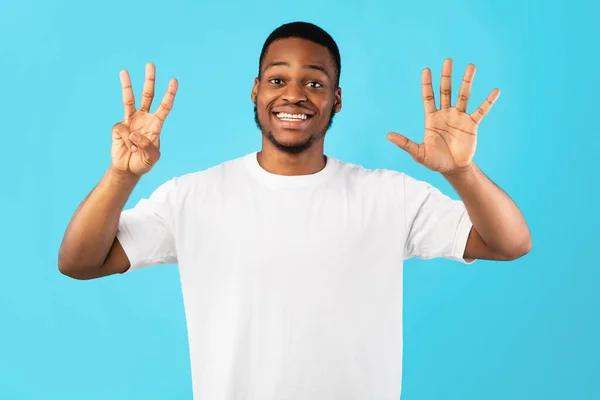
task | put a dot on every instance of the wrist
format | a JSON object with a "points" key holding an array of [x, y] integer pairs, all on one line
{"points": [[121, 178], [460, 173]]}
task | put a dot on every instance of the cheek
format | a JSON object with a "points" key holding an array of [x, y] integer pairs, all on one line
{"points": [[326, 108], [266, 95], [324, 103], [263, 102]]}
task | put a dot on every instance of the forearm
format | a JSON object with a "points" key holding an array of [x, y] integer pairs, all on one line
{"points": [[495, 216], [93, 227]]}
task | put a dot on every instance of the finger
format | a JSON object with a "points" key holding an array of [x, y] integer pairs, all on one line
{"points": [[446, 84], [412, 148], [485, 107], [120, 130], [128, 99], [465, 89], [167, 102], [148, 90], [151, 153], [427, 91]]}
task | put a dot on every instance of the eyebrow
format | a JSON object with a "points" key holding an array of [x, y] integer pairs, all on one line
{"points": [[314, 67]]}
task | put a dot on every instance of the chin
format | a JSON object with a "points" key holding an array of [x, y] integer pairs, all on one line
{"points": [[282, 141], [291, 136]]}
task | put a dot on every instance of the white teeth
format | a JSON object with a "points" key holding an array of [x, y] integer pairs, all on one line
{"points": [[291, 117]]}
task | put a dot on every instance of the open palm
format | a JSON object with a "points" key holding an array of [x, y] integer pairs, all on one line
{"points": [[450, 137], [136, 139]]}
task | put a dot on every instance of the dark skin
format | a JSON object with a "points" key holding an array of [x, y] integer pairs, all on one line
{"points": [[297, 77], [295, 96], [89, 248], [288, 75]]}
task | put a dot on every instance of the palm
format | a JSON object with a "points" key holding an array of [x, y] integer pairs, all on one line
{"points": [[450, 135], [127, 157], [137, 162], [449, 141]]}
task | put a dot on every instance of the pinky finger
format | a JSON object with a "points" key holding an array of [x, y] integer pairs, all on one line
{"points": [[167, 102], [121, 131], [485, 107]]}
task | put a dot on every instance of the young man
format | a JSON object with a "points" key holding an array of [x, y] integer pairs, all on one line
{"points": [[291, 260]]}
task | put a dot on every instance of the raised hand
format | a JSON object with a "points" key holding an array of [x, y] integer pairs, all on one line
{"points": [[450, 135], [136, 139]]}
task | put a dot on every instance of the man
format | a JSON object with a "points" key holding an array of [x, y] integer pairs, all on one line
{"points": [[291, 260]]}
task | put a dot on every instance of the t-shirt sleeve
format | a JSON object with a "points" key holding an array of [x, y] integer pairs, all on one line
{"points": [[147, 231], [436, 225]]}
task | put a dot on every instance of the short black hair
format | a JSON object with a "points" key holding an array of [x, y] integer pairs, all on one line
{"points": [[307, 31]]}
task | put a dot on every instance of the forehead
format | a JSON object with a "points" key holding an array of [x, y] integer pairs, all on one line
{"points": [[295, 51]]}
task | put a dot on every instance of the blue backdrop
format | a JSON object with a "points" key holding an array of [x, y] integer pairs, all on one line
{"points": [[524, 330]]}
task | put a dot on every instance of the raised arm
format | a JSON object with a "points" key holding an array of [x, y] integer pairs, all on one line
{"points": [[89, 248], [499, 229]]}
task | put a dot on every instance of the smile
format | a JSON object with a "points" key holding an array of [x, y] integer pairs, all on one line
{"points": [[291, 117]]}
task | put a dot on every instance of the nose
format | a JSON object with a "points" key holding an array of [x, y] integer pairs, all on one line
{"points": [[294, 93]]}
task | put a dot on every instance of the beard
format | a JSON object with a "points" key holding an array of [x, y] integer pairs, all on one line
{"points": [[293, 148]]}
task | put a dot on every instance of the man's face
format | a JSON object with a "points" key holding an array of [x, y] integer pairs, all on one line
{"points": [[296, 95]]}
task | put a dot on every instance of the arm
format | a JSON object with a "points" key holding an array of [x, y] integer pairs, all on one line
{"points": [[499, 229], [90, 248]]}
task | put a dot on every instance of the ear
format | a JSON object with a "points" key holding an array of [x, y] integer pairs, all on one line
{"points": [[337, 101], [254, 92]]}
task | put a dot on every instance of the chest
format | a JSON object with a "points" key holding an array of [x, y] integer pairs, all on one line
{"points": [[262, 229], [304, 255]]}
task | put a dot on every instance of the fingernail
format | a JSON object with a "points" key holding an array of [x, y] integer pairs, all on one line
{"points": [[135, 136]]}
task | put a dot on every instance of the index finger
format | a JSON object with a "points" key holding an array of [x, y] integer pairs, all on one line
{"points": [[128, 99], [427, 91], [167, 102]]}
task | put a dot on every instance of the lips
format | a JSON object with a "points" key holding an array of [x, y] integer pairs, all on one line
{"points": [[290, 123], [291, 118]]}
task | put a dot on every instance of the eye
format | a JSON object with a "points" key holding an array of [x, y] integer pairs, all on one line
{"points": [[315, 85], [275, 81]]}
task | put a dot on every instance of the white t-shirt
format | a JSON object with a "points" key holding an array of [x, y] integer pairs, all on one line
{"points": [[292, 285]]}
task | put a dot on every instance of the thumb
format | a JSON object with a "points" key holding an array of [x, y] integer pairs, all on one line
{"points": [[121, 131], [141, 142], [415, 150]]}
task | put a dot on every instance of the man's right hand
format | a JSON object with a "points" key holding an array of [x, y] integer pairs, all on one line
{"points": [[136, 139]]}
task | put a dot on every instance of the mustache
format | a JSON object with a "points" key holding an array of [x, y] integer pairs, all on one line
{"points": [[299, 106]]}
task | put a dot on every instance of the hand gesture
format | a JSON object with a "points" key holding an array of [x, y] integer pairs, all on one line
{"points": [[450, 135], [136, 139]]}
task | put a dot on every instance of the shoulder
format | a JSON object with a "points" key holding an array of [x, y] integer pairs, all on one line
{"points": [[194, 185], [360, 175], [384, 180], [212, 175]]}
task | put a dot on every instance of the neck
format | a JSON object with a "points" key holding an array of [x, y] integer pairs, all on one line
{"points": [[278, 162]]}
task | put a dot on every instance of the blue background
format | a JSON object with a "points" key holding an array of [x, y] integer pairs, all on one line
{"points": [[523, 330]]}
